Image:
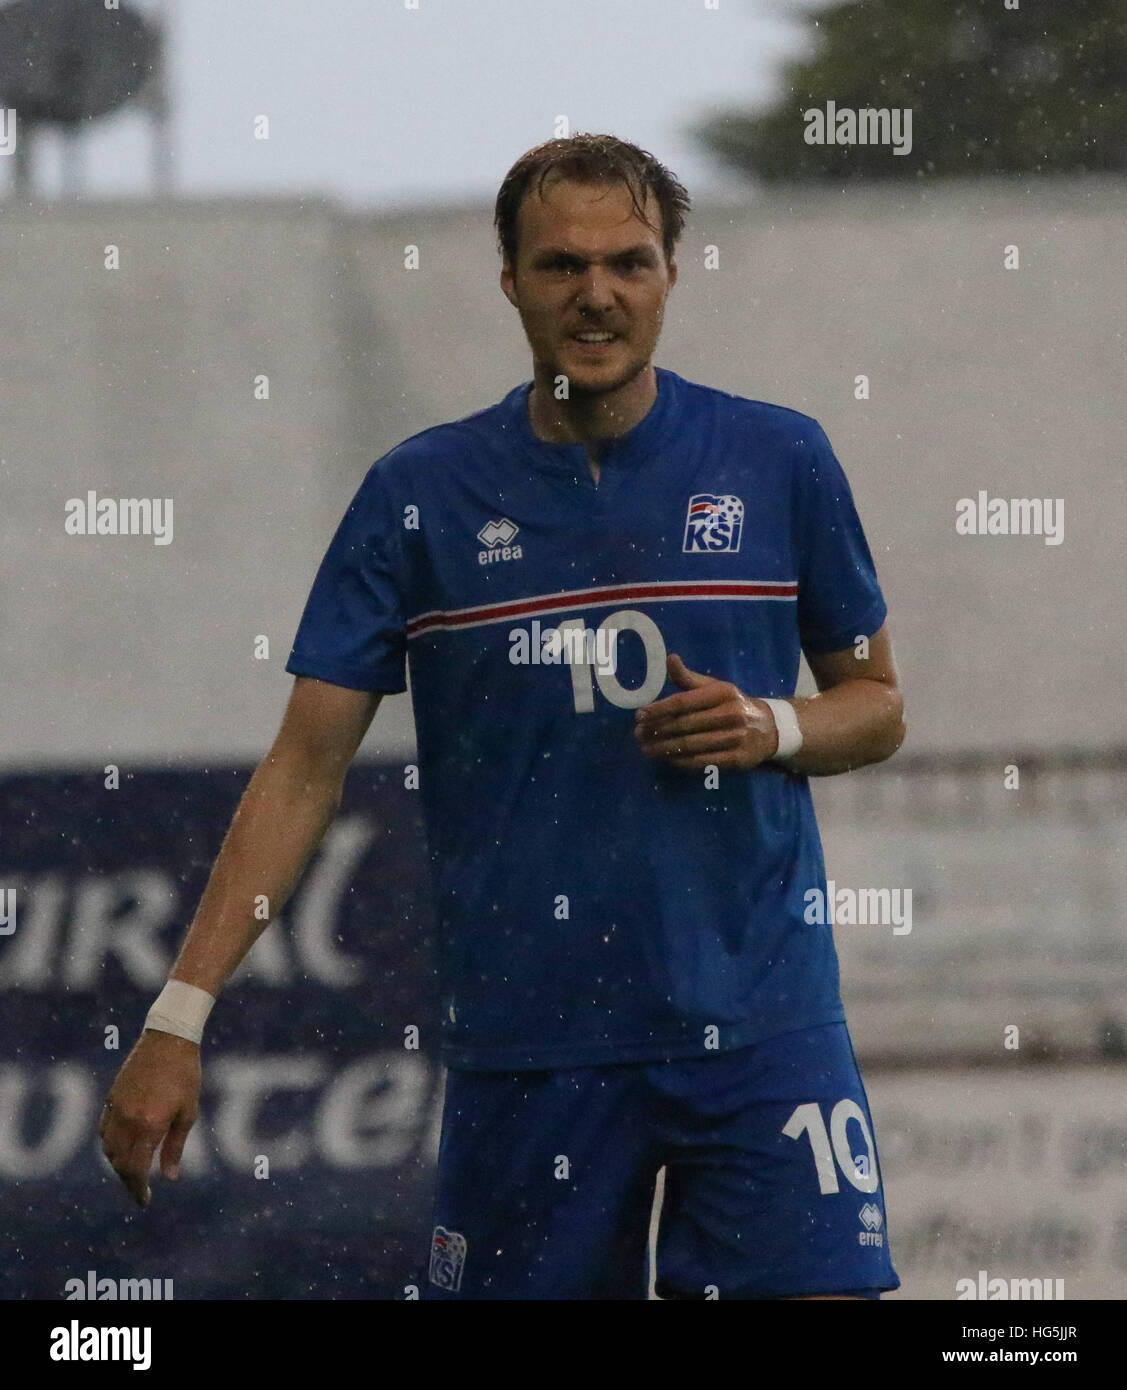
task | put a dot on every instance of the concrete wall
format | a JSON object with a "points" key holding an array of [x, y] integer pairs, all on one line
{"points": [[139, 382]]}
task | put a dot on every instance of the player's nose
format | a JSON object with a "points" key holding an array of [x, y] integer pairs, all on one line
{"points": [[595, 291]]}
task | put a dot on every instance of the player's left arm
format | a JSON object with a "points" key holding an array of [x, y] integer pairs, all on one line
{"points": [[856, 718]]}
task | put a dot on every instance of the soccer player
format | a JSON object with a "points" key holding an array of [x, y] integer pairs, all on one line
{"points": [[602, 584]]}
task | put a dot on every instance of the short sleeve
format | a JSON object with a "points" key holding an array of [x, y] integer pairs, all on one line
{"points": [[839, 598], [352, 632]]}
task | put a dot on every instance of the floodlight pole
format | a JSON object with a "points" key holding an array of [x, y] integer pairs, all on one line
{"points": [[156, 100], [21, 157], [71, 170]]}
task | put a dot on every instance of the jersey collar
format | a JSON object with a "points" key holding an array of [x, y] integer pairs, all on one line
{"points": [[570, 460]]}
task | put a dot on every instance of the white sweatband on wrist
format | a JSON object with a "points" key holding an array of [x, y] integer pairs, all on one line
{"points": [[790, 735], [181, 1009]]}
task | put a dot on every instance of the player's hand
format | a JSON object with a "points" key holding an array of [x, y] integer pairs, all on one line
{"points": [[707, 721], [154, 1099]]}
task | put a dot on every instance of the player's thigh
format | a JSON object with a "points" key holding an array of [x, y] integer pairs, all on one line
{"points": [[544, 1186], [773, 1183]]}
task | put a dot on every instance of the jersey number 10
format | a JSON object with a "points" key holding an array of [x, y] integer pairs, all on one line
{"points": [[612, 689], [861, 1170]]}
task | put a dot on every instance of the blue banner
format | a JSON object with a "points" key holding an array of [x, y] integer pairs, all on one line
{"points": [[310, 1169]]}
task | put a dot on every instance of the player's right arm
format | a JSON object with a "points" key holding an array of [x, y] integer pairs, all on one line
{"points": [[284, 813]]}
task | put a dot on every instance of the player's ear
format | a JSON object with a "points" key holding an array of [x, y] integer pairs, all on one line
{"points": [[508, 283], [672, 273]]}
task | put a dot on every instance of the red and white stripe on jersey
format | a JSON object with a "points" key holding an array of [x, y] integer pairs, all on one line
{"points": [[664, 591]]}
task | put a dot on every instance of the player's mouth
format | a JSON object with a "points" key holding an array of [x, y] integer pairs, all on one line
{"points": [[595, 341]]}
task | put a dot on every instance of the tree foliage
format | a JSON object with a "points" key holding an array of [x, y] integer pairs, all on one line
{"points": [[1037, 89]]}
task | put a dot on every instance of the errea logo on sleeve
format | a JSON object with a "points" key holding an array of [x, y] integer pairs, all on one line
{"points": [[713, 523], [497, 537]]}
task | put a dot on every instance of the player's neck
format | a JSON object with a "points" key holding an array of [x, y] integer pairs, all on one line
{"points": [[592, 418]]}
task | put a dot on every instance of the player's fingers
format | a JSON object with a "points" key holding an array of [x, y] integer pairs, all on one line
{"points": [[726, 716], [133, 1170], [680, 674], [117, 1136], [173, 1147], [707, 744], [686, 701]]}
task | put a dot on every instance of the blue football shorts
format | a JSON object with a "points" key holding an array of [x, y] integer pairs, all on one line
{"points": [[546, 1179]]}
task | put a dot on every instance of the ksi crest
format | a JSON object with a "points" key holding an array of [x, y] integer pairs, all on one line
{"points": [[713, 523], [447, 1256]]}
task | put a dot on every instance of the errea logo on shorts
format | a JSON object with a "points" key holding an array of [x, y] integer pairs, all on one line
{"points": [[713, 523], [497, 536], [872, 1220]]}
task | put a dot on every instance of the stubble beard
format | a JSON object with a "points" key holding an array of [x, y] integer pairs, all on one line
{"points": [[600, 386]]}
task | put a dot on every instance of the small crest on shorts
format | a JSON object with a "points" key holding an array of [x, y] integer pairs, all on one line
{"points": [[447, 1256]]}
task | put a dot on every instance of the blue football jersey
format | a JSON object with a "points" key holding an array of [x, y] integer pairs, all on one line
{"points": [[594, 905]]}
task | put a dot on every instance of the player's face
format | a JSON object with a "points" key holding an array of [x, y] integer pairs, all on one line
{"points": [[586, 263]]}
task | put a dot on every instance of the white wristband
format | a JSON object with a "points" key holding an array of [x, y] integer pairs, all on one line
{"points": [[181, 1009], [790, 735]]}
